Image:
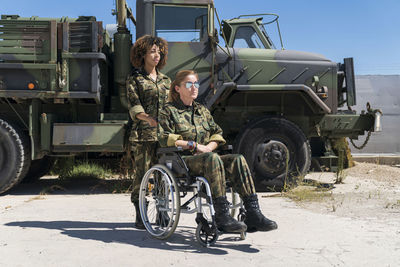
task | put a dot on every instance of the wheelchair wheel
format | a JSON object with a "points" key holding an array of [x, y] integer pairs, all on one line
{"points": [[159, 202], [203, 237]]}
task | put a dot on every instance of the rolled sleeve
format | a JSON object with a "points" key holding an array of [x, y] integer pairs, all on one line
{"points": [[172, 138], [134, 104], [136, 109], [217, 138]]}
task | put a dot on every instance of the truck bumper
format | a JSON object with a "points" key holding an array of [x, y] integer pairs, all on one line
{"points": [[348, 125]]}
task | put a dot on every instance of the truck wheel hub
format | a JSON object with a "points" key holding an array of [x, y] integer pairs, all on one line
{"points": [[272, 157]]}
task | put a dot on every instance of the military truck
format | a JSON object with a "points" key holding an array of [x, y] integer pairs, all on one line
{"points": [[62, 88]]}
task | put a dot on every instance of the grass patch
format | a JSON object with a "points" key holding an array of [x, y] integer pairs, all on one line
{"points": [[40, 197], [306, 193], [305, 190], [70, 168], [108, 175], [88, 170]]}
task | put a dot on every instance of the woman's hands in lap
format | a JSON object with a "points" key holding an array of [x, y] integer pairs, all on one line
{"points": [[203, 149]]}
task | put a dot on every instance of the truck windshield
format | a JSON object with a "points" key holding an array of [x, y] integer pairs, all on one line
{"points": [[181, 24], [246, 37], [264, 31]]}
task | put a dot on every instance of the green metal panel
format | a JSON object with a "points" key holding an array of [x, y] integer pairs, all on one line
{"points": [[88, 137], [34, 109], [46, 123], [28, 40]]}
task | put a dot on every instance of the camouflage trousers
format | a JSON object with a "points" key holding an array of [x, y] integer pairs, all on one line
{"points": [[145, 156], [217, 169]]}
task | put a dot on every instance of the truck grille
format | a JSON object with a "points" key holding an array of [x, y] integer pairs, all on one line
{"points": [[27, 41], [81, 37]]}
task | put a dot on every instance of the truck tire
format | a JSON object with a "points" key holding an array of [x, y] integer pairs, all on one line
{"points": [[14, 156], [277, 151], [39, 168]]}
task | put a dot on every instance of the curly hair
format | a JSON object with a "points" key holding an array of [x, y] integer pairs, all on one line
{"points": [[144, 44], [179, 78]]}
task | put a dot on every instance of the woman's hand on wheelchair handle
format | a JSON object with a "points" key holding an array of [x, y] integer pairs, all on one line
{"points": [[146, 117]]}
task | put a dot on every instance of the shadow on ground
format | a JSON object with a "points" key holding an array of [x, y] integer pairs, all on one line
{"points": [[91, 185], [182, 240], [54, 185]]}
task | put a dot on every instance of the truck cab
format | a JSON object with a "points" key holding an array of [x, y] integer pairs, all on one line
{"points": [[249, 32]]}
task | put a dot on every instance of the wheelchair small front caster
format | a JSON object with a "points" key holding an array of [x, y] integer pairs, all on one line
{"points": [[241, 217], [242, 235], [204, 237]]}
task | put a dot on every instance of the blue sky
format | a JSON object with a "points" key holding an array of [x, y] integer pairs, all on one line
{"points": [[368, 30]]}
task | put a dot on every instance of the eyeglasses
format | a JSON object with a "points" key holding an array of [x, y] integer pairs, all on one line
{"points": [[190, 84]]}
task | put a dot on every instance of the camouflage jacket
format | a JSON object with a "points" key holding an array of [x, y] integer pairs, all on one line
{"points": [[190, 123], [145, 95]]}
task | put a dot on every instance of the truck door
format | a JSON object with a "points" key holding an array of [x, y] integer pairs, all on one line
{"points": [[186, 30]]}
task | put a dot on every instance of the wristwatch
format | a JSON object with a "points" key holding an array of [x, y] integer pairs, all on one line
{"points": [[192, 146]]}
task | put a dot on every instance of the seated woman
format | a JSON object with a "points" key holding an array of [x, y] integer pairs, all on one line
{"points": [[186, 123]]}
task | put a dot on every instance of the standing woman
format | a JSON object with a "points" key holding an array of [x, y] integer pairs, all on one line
{"points": [[147, 90]]}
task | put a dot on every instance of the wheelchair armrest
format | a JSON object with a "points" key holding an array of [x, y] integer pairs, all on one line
{"points": [[170, 157], [171, 149], [225, 149]]}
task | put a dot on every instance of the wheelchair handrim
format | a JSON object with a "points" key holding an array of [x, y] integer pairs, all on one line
{"points": [[174, 198]]}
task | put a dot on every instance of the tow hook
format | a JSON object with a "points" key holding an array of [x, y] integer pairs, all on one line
{"points": [[377, 115]]}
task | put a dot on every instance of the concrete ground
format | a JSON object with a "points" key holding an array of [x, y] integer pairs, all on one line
{"points": [[79, 224]]}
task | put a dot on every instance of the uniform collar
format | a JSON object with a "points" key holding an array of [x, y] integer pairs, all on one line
{"points": [[144, 73], [182, 107]]}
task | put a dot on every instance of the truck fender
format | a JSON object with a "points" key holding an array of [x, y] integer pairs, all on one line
{"points": [[287, 87]]}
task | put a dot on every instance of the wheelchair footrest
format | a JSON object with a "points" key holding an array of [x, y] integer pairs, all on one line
{"points": [[206, 225]]}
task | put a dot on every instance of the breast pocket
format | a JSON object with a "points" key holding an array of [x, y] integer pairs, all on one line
{"points": [[150, 96]]}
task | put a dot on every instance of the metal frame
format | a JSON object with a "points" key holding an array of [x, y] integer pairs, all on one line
{"points": [[185, 183]]}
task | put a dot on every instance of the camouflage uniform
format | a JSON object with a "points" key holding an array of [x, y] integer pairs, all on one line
{"points": [[149, 96], [195, 123]]}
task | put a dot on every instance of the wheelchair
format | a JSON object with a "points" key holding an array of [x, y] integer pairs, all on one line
{"points": [[162, 189]]}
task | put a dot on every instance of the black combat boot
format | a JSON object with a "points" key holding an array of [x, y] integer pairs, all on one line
{"points": [[138, 223], [225, 222], [254, 219]]}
